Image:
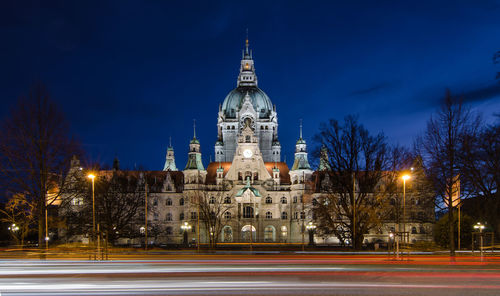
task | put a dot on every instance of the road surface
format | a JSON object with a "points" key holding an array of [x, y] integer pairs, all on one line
{"points": [[254, 275]]}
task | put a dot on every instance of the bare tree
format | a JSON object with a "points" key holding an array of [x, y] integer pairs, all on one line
{"points": [[481, 174], [440, 148], [18, 214], [35, 152], [119, 205], [213, 205], [358, 183]]}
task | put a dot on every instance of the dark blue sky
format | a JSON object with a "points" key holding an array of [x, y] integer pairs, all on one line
{"points": [[129, 74]]}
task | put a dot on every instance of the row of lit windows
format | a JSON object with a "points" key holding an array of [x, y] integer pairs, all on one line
{"points": [[262, 127], [269, 200], [227, 200], [169, 202]]}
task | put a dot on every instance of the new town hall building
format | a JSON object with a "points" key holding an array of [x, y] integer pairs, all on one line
{"points": [[250, 191]]}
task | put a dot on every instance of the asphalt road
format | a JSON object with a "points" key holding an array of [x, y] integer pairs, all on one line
{"points": [[254, 275]]}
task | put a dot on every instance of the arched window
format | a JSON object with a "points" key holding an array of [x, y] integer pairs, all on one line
{"points": [[283, 200], [284, 232], [248, 233], [168, 230], [414, 230], [269, 215], [211, 200], [227, 200], [168, 202], [181, 216], [284, 215], [422, 230], [181, 201], [269, 200], [227, 215], [169, 217], [247, 139], [269, 234], [227, 234], [247, 212]]}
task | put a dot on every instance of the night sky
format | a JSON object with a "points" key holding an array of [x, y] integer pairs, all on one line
{"points": [[130, 74]]}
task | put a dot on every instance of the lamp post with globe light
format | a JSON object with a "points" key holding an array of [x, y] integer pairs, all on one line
{"points": [[480, 227], [185, 227], [404, 177], [311, 227]]}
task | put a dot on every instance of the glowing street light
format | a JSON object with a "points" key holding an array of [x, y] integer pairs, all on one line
{"points": [[185, 227], [311, 227], [92, 177], [480, 226], [13, 227], [404, 177]]}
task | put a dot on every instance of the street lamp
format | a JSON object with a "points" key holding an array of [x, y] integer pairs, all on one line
{"points": [[92, 177], [480, 227], [311, 227], [404, 177], [13, 227], [185, 227]]}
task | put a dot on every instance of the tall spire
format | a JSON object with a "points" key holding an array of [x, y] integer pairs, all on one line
{"points": [[300, 160], [169, 158], [170, 141], [194, 128], [247, 75], [300, 129], [246, 44]]}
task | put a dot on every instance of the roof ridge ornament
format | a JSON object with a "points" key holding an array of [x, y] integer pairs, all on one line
{"points": [[300, 133], [194, 128], [246, 43]]}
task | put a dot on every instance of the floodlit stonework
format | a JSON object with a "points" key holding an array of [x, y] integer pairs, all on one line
{"points": [[251, 195]]}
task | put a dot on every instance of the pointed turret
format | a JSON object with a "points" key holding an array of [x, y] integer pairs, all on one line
{"points": [[116, 164], [247, 75], [300, 162], [170, 158], [301, 170], [194, 156], [324, 162]]}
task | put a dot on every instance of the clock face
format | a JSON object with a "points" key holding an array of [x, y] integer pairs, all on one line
{"points": [[247, 153]]}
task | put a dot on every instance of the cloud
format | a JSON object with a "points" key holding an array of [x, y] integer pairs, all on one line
{"points": [[373, 89], [481, 94]]}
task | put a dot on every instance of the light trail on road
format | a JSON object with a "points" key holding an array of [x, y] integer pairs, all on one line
{"points": [[240, 275]]}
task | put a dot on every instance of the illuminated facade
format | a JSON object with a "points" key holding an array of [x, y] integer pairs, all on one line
{"points": [[248, 194]]}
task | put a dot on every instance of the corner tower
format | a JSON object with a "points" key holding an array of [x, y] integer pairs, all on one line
{"points": [[234, 115]]}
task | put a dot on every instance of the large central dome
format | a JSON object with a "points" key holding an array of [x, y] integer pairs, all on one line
{"points": [[260, 101]]}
